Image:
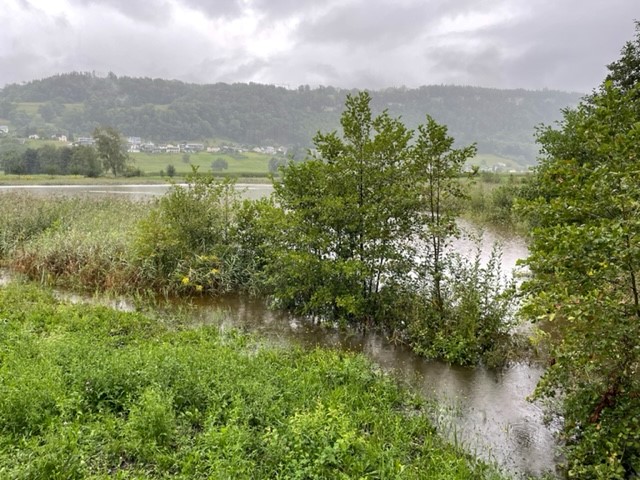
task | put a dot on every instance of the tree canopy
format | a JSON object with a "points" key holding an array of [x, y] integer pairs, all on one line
{"points": [[585, 263], [111, 149]]}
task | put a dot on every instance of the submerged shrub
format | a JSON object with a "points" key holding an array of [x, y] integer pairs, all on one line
{"points": [[478, 302]]}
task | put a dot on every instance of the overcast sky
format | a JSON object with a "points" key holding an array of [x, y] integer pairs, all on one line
{"points": [[534, 44]]}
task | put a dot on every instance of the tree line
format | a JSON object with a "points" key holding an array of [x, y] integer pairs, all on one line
{"points": [[50, 160], [109, 154], [498, 121]]}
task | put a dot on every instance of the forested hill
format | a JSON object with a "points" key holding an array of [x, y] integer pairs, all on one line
{"points": [[500, 121]]}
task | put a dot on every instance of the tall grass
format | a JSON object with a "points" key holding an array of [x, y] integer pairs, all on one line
{"points": [[180, 243], [89, 392], [77, 242]]}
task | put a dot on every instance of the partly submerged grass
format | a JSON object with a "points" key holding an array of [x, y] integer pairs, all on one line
{"points": [[89, 392], [71, 241]]}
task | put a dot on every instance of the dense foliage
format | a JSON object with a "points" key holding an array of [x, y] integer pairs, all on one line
{"points": [[585, 259], [347, 216], [111, 150], [363, 236], [87, 392], [500, 121], [81, 160]]}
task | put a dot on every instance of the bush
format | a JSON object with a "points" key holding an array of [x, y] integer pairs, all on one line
{"points": [[219, 164], [478, 303], [185, 243]]}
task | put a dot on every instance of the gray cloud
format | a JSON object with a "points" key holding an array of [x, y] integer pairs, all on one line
{"points": [[369, 22], [566, 44], [274, 9], [346, 43], [217, 8], [149, 11]]}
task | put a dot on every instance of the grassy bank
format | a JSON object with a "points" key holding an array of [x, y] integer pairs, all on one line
{"points": [[89, 392]]}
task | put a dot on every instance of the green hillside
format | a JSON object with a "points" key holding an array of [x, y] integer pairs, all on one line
{"points": [[500, 122]]}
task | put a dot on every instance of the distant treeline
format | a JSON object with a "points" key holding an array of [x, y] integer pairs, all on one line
{"points": [[501, 122], [81, 160]]}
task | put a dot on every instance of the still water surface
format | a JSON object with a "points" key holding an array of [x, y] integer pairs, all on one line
{"points": [[483, 409], [136, 192]]}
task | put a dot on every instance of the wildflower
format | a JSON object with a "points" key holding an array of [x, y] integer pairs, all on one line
{"points": [[215, 271], [198, 288], [185, 280]]}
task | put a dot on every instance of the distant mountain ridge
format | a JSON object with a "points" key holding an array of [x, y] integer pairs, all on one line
{"points": [[501, 122]]}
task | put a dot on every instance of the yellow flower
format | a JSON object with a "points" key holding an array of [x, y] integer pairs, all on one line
{"points": [[185, 280], [198, 288], [215, 271]]}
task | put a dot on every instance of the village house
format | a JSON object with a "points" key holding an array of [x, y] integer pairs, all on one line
{"points": [[85, 141], [192, 147]]}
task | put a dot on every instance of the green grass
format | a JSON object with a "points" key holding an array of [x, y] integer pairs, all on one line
{"points": [[30, 108], [74, 107], [89, 392], [71, 241], [44, 179], [247, 163]]}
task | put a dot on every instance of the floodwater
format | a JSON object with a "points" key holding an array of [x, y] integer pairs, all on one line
{"points": [[484, 410], [135, 192]]}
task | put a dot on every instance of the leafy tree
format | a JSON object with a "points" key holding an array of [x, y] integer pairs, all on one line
{"points": [[111, 149], [219, 164], [624, 73], [585, 265], [85, 161], [345, 243], [50, 110], [12, 162], [31, 161], [49, 160], [347, 217], [171, 170], [439, 165], [462, 306], [275, 163]]}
